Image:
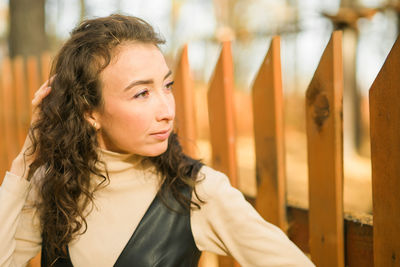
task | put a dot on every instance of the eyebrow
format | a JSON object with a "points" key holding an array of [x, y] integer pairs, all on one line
{"points": [[150, 81]]}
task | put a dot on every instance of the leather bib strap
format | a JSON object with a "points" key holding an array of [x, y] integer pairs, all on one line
{"points": [[60, 262], [162, 238]]}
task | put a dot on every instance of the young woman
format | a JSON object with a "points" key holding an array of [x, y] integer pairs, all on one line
{"points": [[102, 180]]}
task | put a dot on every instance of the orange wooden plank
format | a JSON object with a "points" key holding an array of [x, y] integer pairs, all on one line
{"points": [[384, 97], [269, 138], [10, 121], [45, 64], [221, 117], [325, 156], [3, 148], [185, 122], [22, 105], [33, 83], [35, 262]]}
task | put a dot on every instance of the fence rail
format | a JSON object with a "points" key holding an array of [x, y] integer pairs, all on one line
{"points": [[331, 237]]}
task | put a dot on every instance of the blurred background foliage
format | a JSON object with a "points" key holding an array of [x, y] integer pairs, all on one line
{"points": [[31, 26]]}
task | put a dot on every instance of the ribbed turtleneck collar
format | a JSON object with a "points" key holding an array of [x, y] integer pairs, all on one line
{"points": [[119, 162]]}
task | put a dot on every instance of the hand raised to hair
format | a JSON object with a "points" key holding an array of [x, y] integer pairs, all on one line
{"points": [[20, 165]]}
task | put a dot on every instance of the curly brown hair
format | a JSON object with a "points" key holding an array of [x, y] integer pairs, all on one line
{"points": [[65, 144]]}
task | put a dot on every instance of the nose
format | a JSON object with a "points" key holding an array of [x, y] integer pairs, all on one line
{"points": [[165, 107]]}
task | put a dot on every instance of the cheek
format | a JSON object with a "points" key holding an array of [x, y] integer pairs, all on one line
{"points": [[127, 120], [138, 122], [172, 103]]}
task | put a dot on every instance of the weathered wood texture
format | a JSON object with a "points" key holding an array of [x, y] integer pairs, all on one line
{"points": [[221, 117], [384, 97], [269, 138], [325, 157], [185, 122]]}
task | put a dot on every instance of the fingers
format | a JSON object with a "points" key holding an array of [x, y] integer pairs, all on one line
{"points": [[40, 94]]}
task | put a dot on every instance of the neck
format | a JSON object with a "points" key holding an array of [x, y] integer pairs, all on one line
{"points": [[117, 162]]}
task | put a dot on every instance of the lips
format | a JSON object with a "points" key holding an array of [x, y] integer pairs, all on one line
{"points": [[161, 135], [162, 132]]}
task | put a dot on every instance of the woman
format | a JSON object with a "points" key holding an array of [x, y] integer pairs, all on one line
{"points": [[102, 180]]}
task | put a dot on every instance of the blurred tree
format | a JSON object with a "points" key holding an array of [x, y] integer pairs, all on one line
{"points": [[395, 5], [346, 20], [27, 34], [83, 9]]}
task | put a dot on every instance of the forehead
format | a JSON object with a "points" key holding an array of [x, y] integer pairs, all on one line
{"points": [[132, 61], [137, 55]]}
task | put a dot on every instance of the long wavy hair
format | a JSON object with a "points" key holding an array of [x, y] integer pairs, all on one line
{"points": [[65, 144]]}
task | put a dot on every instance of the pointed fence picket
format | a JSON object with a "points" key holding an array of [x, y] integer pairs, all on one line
{"points": [[221, 115], [221, 119], [385, 156], [325, 157], [269, 138], [185, 121]]}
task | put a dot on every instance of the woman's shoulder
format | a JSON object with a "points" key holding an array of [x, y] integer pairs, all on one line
{"points": [[211, 182]]}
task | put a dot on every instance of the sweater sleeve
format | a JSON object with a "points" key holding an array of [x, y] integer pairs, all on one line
{"points": [[227, 224], [19, 229]]}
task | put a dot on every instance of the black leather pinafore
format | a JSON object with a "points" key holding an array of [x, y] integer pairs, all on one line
{"points": [[162, 238]]}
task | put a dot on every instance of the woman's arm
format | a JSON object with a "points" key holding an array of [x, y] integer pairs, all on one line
{"points": [[19, 229], [227, 224], [19, 225]]}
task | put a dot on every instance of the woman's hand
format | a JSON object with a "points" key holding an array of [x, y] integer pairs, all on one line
{"points": [[20, 165]]}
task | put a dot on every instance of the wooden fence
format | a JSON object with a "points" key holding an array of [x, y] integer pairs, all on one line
{"points": [[324, 231], [330, 236], [19, 80]]}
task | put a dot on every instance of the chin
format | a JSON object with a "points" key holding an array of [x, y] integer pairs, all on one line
{"points": [[155, 151]]}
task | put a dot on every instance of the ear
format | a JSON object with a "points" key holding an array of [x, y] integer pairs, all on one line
{"points": [[92, 118]]}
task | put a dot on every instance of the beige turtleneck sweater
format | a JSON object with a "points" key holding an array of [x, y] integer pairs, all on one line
{"points": [[225, 224]]}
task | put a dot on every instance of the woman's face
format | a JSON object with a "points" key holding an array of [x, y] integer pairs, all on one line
{"points": [[139, 107]]}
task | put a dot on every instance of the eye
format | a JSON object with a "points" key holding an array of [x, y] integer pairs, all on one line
{"points": [[169, 86], [142, 94]]}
